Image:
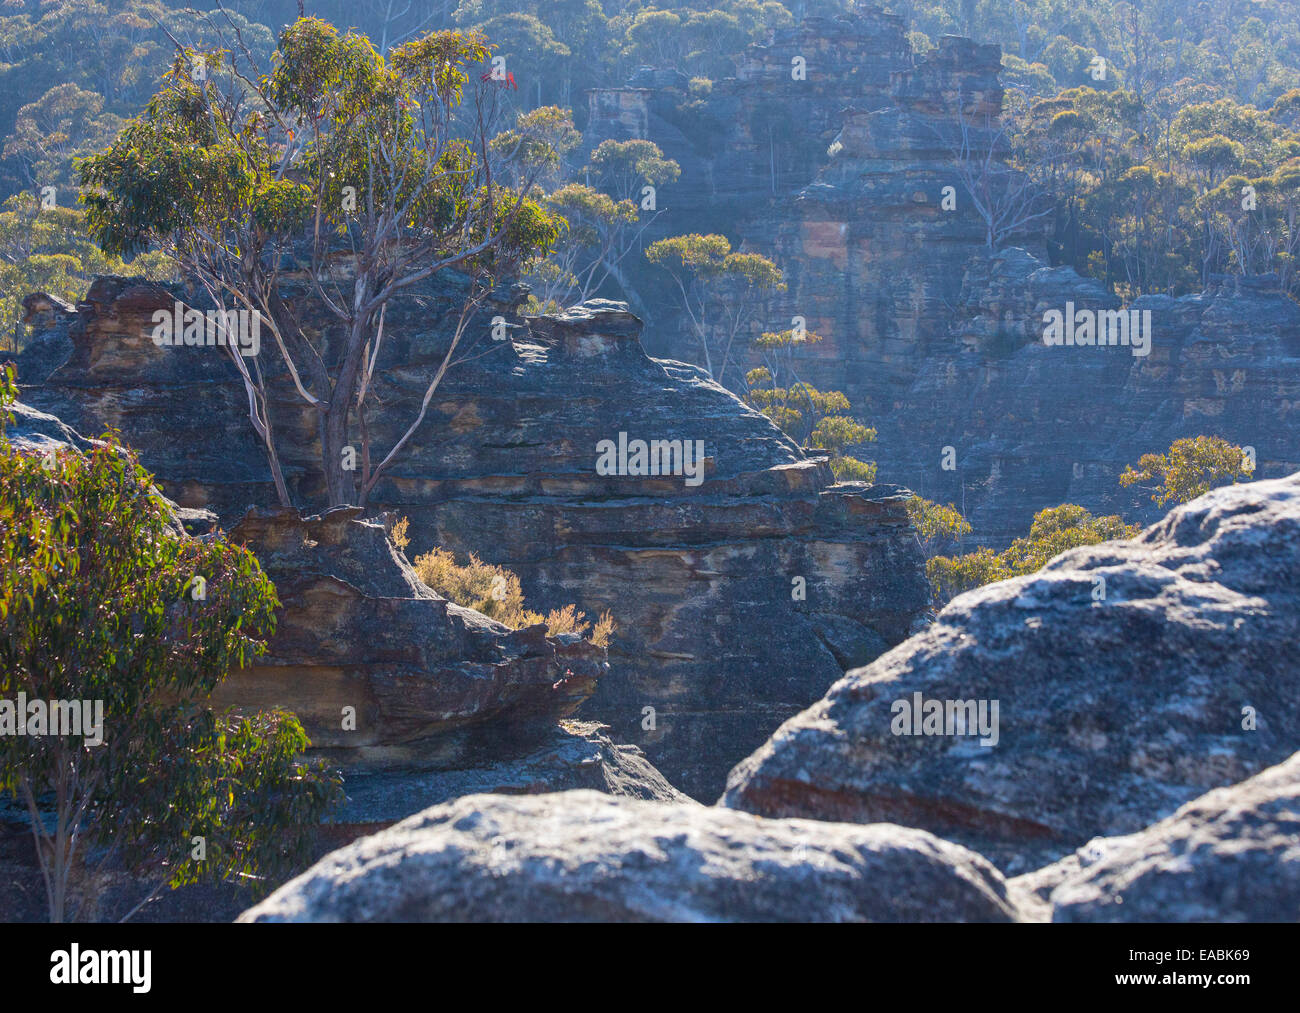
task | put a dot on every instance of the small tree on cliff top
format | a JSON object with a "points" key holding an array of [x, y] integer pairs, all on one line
{"points": [[804, 413], [722, 293], [378, 160]]}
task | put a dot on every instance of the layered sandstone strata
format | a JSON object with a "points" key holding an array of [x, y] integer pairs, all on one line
{"points": [[738, 600]]}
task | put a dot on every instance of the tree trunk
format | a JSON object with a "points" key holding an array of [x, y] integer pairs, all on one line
{"points": [[340, 489]]}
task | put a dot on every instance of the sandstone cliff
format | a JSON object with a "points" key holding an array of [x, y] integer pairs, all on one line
{"points": [[935, 337], [739, 600]]}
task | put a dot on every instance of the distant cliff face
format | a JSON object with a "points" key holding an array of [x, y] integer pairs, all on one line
{"points": [[740, 593], [936, 338]]}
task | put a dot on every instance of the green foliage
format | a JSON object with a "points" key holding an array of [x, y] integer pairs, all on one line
{"points": [[192, 168], [1054, 530], [1151, 194], [47, 250], [804, 413], [1248, 50], [588, 254], [1191, 468], [231, 172], [541, 139], [722, 292], [66, 122], [72, 70], [953, 575], [698, 42], [697, 254], [98, 604], [837, 433], [936, 525], [623, 167]]}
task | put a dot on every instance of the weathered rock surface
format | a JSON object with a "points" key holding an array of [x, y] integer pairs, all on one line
{"points": [[570, 755], [1112, 713], [380, 669], [38, 432], [701, 579], [585, 856], [1232, 855]]}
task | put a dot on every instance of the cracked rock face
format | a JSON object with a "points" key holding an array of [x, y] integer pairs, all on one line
{"points": [[738, 600], [1112, 712], [584, 856], [1229, 856]]}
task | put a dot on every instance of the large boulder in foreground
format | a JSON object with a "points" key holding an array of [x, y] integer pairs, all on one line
{"points": [[585, 856], [1112, 713], [381, 670], [1232, 855]]}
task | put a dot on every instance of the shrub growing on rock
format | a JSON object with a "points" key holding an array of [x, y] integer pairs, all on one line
{"points": [[935, 524], [497, 593]]}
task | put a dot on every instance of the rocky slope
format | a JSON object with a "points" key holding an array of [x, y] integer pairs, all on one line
{"points": [[738, 600], [583, 856], [1128, 677]]}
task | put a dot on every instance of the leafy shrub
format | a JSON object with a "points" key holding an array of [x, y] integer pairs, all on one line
{"points": [[1053, 531], [100, 610], [1191, 468], [936, 525]]}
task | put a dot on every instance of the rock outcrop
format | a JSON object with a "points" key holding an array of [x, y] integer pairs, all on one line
{"points": [[874, 255], [571, 755], [583, 856], [1229, 856], [739, 600], [1128, 678], [382, 671]]}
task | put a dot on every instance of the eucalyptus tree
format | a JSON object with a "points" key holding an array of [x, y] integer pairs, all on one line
{"points": [[379, 168]]}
